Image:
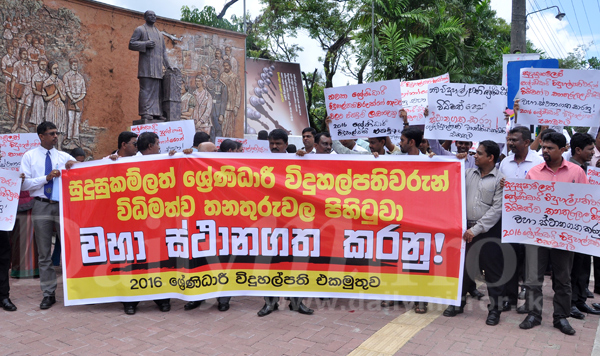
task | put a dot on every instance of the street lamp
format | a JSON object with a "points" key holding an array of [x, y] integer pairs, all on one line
{"points": [[559, 17]]}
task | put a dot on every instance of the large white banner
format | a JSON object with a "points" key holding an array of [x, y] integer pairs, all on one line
{"points": [[365, 110], [14, 146], [466, 112], [552, 214], [173, 135], [565, 97], [414, 97], [249, 145], [10, 188]]}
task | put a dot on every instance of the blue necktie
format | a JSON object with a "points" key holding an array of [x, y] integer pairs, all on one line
{"points": [[48, 186]]}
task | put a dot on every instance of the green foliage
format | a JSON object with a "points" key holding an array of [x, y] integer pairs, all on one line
{"points": [[207, 17], [577, 59]]}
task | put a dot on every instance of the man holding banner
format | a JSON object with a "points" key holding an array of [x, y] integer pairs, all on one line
{"points": [[484, 209], [40, 166], [278, 142], [555, 169]]}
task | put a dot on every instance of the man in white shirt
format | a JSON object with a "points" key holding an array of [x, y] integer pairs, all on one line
{"points": [[352, 144], [40, 166], [278, 142], [323, 143], [308, 139], [519, 161]]}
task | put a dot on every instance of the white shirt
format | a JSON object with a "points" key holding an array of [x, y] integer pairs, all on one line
{"points": [[511, 169], [313, 151], [33, 166]]}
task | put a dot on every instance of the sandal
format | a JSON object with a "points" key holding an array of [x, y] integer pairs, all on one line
{"points": [[387, 304], [421, 307]]}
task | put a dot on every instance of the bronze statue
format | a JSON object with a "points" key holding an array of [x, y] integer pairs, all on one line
{"points": [[148, 40]]}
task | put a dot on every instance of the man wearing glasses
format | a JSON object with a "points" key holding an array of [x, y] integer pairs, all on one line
{"points": [[40, 166]]}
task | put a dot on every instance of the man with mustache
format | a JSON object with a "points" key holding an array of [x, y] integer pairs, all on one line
{"points": [[555, 169]]}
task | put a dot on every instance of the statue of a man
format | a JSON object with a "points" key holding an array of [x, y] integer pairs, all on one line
{"points": [[148, 40]]}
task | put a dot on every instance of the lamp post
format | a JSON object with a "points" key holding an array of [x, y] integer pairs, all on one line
{"points": [[518, 37]]}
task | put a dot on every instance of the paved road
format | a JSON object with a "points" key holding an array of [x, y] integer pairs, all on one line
{"points": [[338, 327]]}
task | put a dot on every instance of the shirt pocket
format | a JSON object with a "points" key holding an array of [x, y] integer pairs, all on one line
{"points": [[487, 196]]}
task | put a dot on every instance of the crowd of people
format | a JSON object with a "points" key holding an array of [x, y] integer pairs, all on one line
{"points": [[485, 172]]}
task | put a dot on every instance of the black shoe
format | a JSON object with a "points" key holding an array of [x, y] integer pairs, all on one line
{"points": [[523, 309], [302, 309], [522, 294], [584, 308], [506, 306], [475, 293], [8, 305], [596, 306], [589, 295], [223, 307], [47, 302], [575, 313], [129, 309], [563, 325], [267, 309], [453, 311], [164, 307], [530, 321], [597, 291], [493, 317], [192, 305]]}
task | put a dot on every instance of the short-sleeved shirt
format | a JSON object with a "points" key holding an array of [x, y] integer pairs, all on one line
{"points": [[567, 172]]}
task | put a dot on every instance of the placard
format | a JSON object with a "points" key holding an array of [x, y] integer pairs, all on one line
{"points": [[365, 110], [565, 97], [593, 174], [249, 145], [14, 146], [10, 188], [466, 112], [414, 97], [552, 214], [173, 135]]}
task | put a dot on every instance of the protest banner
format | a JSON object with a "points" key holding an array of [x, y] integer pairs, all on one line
{"points": [[249, 145], [208, 225], [10, 188], [365, 110], [414, 97], [14, 146], [173, 135], [552, 214], [466, 112], [514, 75], [565, 97], [593, 174]]}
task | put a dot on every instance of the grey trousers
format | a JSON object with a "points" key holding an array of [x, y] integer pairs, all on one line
{"points": [[45, 218], [535, 265]]}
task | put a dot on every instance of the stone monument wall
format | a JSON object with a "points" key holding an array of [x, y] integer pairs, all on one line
{"points": [[89, 43]]}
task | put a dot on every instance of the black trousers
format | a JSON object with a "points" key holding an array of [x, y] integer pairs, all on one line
{"points": [[158, 302], [486, 252], [294, 301], [536, 264], [596, 274], [512, 287], [580, 278], [5, 254]]}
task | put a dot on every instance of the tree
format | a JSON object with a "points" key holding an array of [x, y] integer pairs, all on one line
{"points": [[577, 59]]}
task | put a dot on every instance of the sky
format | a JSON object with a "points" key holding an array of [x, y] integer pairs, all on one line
{"points": [[556, 38]]}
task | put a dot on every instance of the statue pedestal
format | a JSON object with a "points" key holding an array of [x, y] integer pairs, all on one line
{"points": [[171, 94], [146, 121]]}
